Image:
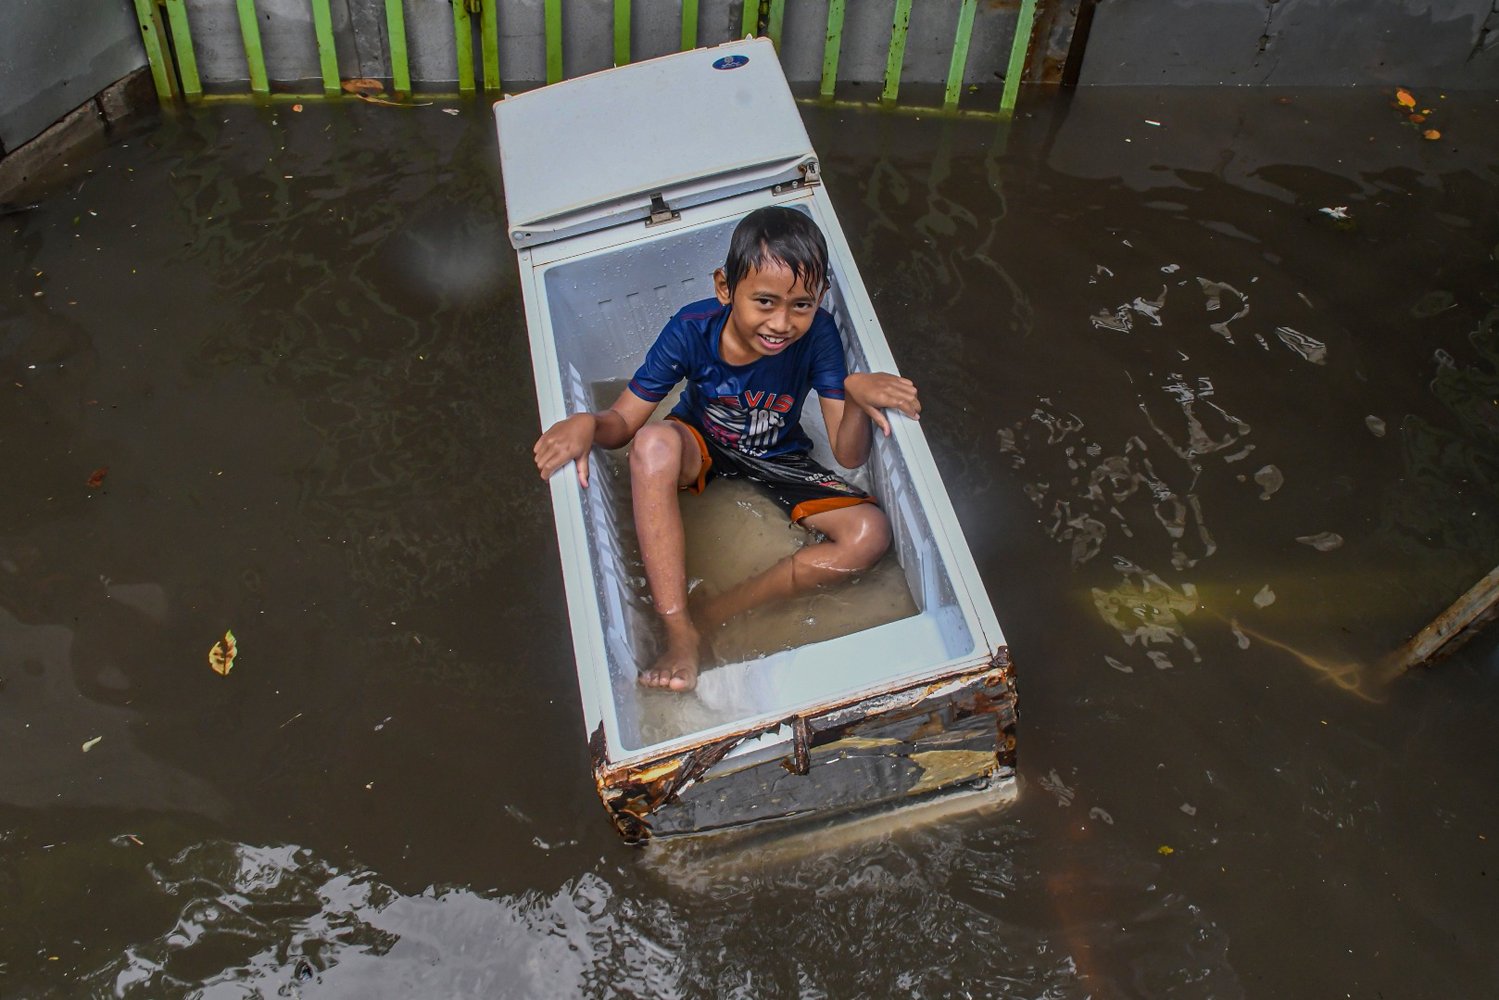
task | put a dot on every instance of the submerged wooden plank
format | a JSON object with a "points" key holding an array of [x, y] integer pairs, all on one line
{"points": [[1455, 626], [621, 32], [400, 64], [776, 19], [463, 42], [553, 13], [959, 54], [327, 53], [489, 42], [897, 55], [831, 47], [163, 75], [1018, 49], [689, 25], [249, 30], [182, 44]]}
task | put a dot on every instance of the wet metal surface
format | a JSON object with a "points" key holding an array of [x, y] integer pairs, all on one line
{"points": [[1211, 379]]}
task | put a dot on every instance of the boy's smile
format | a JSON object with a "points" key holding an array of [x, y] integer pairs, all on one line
{"points": [[769, 310]]}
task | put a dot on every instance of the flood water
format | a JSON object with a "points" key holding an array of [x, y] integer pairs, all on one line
{"points": [[1217, 453]]}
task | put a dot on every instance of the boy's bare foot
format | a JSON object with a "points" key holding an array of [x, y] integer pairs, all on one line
{"points": [[676, 668]]}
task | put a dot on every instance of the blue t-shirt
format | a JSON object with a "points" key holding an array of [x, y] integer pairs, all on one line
{"points": [[755, 408]]}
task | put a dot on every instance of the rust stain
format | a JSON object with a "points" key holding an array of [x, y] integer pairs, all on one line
{"points": [[632, 793], [940, 768]]}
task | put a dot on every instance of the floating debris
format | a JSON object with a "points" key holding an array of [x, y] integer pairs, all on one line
{"points": [[1270, 480], [1263, 599], [1309, 348], [1376, 426], [1123, 668], [1433, 303], [221, 656], [1054, 784], [1322, 541], [97, 479], [90, 744], [1338, 212]]}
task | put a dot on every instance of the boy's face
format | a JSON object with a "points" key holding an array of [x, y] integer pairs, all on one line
{"points": [[770, 310]]}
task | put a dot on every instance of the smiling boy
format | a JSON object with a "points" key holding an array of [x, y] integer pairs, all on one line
{"points": [[749, 356]]}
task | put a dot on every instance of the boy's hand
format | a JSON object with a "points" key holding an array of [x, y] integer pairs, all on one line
{"points": [[565, 441], [872, 392]]}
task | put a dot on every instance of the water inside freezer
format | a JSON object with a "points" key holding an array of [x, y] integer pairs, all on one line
{"points": [[735, 531]]}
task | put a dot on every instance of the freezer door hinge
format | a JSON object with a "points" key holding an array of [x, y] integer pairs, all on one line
{"points": [[809, 178], [661, 211]]}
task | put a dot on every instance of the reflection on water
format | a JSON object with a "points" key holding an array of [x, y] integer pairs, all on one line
{"points": [[1160, 385]]}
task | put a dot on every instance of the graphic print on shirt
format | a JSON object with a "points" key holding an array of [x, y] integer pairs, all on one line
{"points": [[752, 409]]}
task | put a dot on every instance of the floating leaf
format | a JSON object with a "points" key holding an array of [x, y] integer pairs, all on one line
{"points": [[221, 656], [1165, 850], [90, 744], [1404, 98], [364, 85], [97, 479], [1417, 119], [1433, 303], [1432, 133]]}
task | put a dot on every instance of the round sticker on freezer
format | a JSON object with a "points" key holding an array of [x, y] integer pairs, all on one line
{"points": [[730, 62]]}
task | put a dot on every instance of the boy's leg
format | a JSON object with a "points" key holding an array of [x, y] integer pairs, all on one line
{"points": [[858, 536], [665, 457]]}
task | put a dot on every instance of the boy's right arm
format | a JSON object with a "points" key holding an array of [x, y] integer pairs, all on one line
{"points": [[571, 438]]}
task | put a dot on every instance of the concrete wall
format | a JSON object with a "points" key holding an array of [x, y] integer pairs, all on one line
{"points": [[1295, 43], [56, 55]]}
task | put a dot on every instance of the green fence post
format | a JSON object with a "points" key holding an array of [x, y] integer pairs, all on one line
{"points": [[322, 23], [621, 32], [182, 43], [400, 65], [773, 25], [959, 54], [689, 24], [489, 42], [554, 40], [157, 53], [897, 55], [831, 48], [463, 40], [1018, 49], [249, 30]]}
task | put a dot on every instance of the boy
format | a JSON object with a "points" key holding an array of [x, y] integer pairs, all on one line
{"points": [[749, 357]]}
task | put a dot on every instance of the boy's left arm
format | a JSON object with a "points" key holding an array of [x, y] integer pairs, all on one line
{"points": [[866, 396]]}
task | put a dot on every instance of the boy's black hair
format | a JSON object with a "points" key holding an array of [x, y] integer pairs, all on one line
{"points": [[779, 234]]}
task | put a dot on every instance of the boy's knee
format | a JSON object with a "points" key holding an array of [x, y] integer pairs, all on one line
{"points": [[869, 538], [655, 450]]}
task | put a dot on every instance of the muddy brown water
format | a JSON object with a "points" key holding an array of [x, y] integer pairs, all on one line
{"points": [[1216, 452]]}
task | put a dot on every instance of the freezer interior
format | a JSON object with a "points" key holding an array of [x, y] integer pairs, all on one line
{"points": [[605, 308]]}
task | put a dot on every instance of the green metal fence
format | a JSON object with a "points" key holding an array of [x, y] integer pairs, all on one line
{"points": [[175, 71]]}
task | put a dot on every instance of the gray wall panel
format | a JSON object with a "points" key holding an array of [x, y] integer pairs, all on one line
{"points": [[57, 54], [1452, 43]]}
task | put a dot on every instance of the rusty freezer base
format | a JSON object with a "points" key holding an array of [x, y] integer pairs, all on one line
{"points": [[594, 303], [923, 744]]}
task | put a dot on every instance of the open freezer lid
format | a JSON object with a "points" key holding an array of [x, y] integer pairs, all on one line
{"points": [[651, 137]]}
